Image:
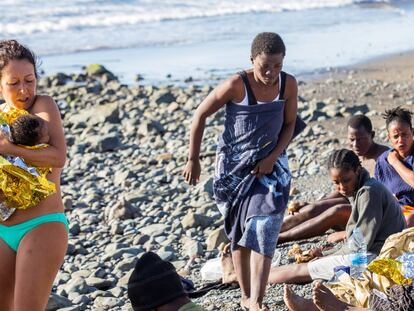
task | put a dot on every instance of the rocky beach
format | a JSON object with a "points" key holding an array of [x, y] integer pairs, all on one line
{"points": [[122, 186]]}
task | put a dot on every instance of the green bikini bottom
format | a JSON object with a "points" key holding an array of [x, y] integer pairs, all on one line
{"points": [[12, 235]]}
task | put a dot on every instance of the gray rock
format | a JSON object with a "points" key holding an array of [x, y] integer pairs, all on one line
{"points": [[99, 283], [107, 302], [154, 230], [163, 97], [193, 249], [104, 143], [77, 285], [192, 220], [122, 210], [108, 113], [57, 302], [215, 238], [99, 71]]}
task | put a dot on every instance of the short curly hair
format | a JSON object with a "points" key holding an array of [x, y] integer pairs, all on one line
{"points": [[358, 121], [267, 43], [13, 50], [26, 130]]}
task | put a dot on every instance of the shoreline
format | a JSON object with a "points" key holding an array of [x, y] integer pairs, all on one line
{"points": [[371, 67], [188, 65]]}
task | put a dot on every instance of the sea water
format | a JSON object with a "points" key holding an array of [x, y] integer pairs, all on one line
{"points": [[182, 38]]}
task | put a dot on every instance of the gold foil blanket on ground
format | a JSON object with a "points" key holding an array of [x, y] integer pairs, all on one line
{"points": [[356, 292]]}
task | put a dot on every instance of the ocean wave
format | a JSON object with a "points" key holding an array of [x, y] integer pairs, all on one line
{"points": [[79, 15]]}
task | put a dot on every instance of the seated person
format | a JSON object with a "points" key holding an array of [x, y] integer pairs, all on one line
{"points": [[375, 212], [155, 285], [395, 167], [334, 210]]}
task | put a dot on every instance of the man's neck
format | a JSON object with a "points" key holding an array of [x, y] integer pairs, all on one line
{"points": [[373, 152]]}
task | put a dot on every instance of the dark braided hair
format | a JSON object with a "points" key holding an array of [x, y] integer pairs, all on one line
{"points": [[343, 159], [13, 50], [397, 114], [268, 43]]}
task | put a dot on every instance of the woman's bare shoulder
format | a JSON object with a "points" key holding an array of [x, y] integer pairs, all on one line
{"points": [[44, 103], [291, 86], [290, 79], [233, 86]]}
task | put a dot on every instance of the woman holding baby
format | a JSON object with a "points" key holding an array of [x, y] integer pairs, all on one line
{"points": [[33, 241]]}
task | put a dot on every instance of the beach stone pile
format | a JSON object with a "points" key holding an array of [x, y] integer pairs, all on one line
{"points": [[122, 186]]}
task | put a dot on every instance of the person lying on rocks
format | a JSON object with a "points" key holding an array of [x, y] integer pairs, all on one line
{"points": [[252, 180], [375, 212], [333, 211], [395, 167], [154, 285]]}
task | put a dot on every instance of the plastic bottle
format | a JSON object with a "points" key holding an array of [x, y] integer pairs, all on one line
{"points": [[358, 253], [276, 259]]}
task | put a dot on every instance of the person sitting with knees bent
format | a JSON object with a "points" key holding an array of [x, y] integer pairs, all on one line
{"points": [[395, 167], [333, 211], [375, 212]]}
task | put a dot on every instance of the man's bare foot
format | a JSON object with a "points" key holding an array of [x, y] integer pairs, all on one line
{"points": [[336, 237], [256, 307], [325, 300], [244, 303], [295, 302]]}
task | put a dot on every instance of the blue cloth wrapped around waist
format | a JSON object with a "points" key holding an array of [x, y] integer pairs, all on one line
{"points": [[250, 134]]}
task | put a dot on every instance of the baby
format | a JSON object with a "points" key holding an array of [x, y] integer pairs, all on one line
{"points": [[29, 130]]}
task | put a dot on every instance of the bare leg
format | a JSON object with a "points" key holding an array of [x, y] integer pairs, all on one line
{"points": [[259, 269], [38, 259], [335, 216], [297, 274], [296, 303], [409, 218], [7, 267], [241, 262], [325, 300], [310, 211]]}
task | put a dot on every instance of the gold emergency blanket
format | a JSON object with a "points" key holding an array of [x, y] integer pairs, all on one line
{"points": [[356, 292], [20, 188], [11, 115]]}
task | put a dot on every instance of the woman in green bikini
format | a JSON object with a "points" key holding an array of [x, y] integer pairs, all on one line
{"points": [[33, 242]]}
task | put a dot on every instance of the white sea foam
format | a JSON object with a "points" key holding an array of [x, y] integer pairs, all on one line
{"points": [[62, 15]]}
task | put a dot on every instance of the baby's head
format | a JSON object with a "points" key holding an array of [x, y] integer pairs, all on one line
{"points": [[29, 130]]}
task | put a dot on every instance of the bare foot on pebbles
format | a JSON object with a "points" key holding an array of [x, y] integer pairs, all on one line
{"points": [[296, 303]]}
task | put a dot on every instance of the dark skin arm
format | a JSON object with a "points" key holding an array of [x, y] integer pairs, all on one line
{"points": [[406, 174], [225, 92]]}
